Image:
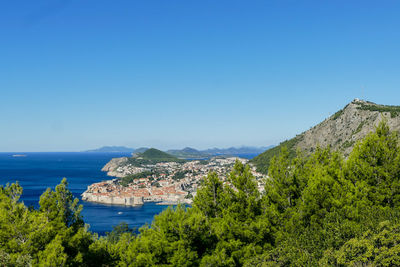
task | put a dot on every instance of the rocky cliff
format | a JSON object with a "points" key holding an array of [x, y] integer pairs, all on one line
{"points": [[341, 131], [112, 166]]}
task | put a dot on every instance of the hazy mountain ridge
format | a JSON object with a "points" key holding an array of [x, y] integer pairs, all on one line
{"points": [[112, 149], [141, 149], [189, 152], [341, 131], [237, 150]]}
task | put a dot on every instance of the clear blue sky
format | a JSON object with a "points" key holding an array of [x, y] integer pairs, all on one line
{"points": [[76, 74]]}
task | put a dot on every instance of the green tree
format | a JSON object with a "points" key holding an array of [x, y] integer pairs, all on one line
{"points": [[374, 167], [210, 197], [38, 237], [53, 254], [118, 231], [60, 206]]}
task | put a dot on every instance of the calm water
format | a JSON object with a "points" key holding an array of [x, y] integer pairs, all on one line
{"points": [[38, 171]]}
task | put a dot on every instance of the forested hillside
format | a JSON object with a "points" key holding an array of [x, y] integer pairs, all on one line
{"points": [[318, 209], [152, 156]]}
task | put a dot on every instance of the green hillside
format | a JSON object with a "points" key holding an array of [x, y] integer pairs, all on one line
{"points": [[156, 154], [152, 156], [262, 161]]}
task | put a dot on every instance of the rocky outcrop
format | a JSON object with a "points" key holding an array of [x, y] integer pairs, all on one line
{"points": [[341, 131], [113, 165]]}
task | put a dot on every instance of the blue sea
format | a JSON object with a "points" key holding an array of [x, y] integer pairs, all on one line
{"points": [[38, 171]]}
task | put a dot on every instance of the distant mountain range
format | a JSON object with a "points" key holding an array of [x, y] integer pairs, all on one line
{"points": [[141, 149], [237, 150], [340, 131], [105, 149], [189, 152]]}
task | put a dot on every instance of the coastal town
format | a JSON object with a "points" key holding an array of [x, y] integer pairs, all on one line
{"points": [[164, 182]]}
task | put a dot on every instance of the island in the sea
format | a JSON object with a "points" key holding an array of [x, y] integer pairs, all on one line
{"points": [[156, 176]]}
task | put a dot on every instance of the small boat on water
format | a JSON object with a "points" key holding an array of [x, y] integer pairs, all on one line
{"points": [[120, 212], [18, 155]]}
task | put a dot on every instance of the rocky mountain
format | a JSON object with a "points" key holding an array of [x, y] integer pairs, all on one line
{"points": [[112, 166], [341, 131]]}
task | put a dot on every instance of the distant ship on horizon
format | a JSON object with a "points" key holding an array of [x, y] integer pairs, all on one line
{"points": [[18, 155]]}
